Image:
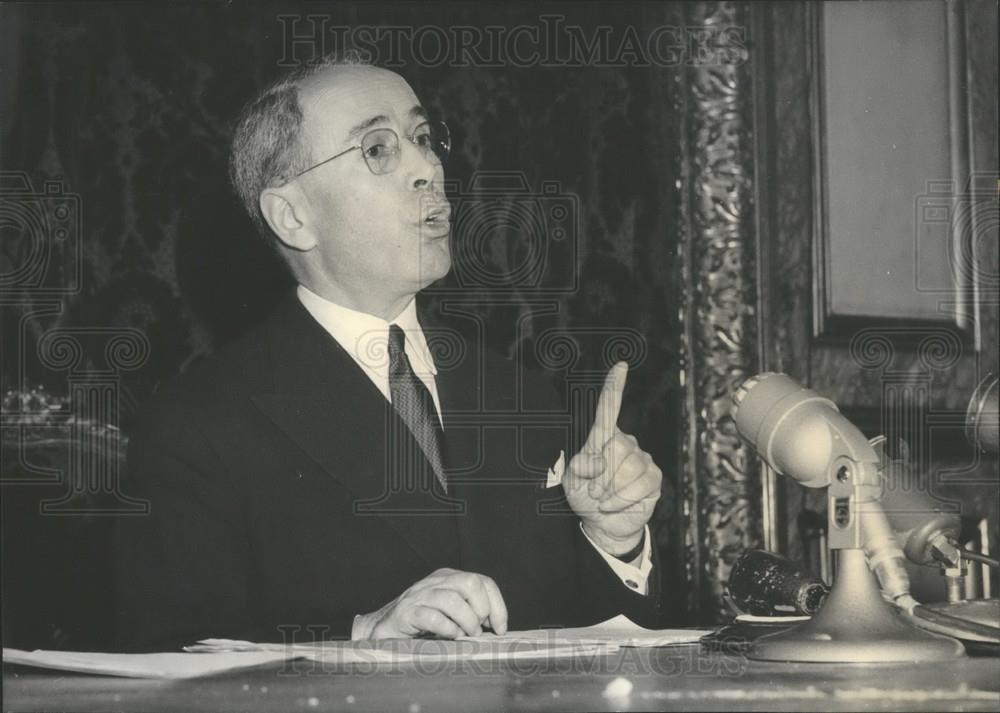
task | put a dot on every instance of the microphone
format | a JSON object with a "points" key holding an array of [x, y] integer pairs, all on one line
{"points": [[927, 530], [982, 425], [803, 435], [794, 429], [765, 584]]}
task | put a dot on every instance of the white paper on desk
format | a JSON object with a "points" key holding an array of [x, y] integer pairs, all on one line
{"points": [[620, 630], [603, 638], [158, 665], [395, 651]]}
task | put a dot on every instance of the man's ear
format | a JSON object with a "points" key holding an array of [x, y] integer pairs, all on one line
{"points": [[283, 209]]}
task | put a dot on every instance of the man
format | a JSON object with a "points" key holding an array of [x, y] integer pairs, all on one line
{"points": [[321, 472]]}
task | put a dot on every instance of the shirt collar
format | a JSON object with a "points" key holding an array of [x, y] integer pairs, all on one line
{"points": [[365, 337]]}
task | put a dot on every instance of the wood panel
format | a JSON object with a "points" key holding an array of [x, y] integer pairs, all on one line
{"points": [[909, 378]]}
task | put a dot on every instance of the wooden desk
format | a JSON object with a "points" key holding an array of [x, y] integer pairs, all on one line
{"points": [[675, 678]]}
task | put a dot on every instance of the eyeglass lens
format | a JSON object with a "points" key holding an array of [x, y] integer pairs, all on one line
{"points": [[380, 147]]}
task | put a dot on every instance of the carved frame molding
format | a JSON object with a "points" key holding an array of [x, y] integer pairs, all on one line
{"points": [[720, 488]]}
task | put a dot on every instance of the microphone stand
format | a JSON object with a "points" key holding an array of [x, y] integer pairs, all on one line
{"points": [[855, 624]]}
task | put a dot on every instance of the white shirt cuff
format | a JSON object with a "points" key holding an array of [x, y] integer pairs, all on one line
{"points": [[633, 577]]}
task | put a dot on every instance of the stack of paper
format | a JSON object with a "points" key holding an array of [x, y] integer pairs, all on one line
{"points": [[167, 665], [212, 656], [413, 650], [620, 631]]}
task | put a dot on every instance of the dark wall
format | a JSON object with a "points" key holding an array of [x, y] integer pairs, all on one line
{"points": [[129, 106]]}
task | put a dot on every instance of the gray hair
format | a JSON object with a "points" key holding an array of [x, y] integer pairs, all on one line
{"points": [[266, 149]]}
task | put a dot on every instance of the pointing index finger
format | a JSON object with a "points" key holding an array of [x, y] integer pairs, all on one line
{"points": [[609, 403]]}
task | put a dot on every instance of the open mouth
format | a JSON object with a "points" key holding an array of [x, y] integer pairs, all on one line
{"points": [[438, 219], [441, 214]]}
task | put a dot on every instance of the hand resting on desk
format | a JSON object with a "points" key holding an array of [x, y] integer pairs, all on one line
{"points": [[448, 603]]}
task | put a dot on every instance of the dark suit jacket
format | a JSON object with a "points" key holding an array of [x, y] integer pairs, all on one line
{"points": [[285, 492]]}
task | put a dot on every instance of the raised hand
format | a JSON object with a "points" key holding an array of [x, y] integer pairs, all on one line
{"points": [[612, 484]]}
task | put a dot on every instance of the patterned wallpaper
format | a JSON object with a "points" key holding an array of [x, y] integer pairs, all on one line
{"points": [[130, 107]]}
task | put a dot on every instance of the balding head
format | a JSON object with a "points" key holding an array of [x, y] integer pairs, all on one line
{"points": [[358, 207], [266, 149]]}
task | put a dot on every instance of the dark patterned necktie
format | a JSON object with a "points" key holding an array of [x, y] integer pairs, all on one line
{"points": [[413, 403]]}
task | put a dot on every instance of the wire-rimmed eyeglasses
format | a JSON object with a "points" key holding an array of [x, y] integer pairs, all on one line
{"points": [[381, 151]]}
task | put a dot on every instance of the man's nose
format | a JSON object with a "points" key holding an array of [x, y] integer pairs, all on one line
{"points": [[420, 169]]}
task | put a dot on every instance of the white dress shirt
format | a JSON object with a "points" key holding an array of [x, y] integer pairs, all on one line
{"points": [[366, 338]]}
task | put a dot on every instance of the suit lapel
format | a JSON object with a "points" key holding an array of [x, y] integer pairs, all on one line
{"points": [[325, 403], [487, 436], [467, 404]]}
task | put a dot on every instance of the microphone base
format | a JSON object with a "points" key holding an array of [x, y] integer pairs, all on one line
{"points": [[855, 625]]}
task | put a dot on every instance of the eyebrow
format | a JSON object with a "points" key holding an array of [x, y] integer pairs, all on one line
{"points": [[417, 112]]}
